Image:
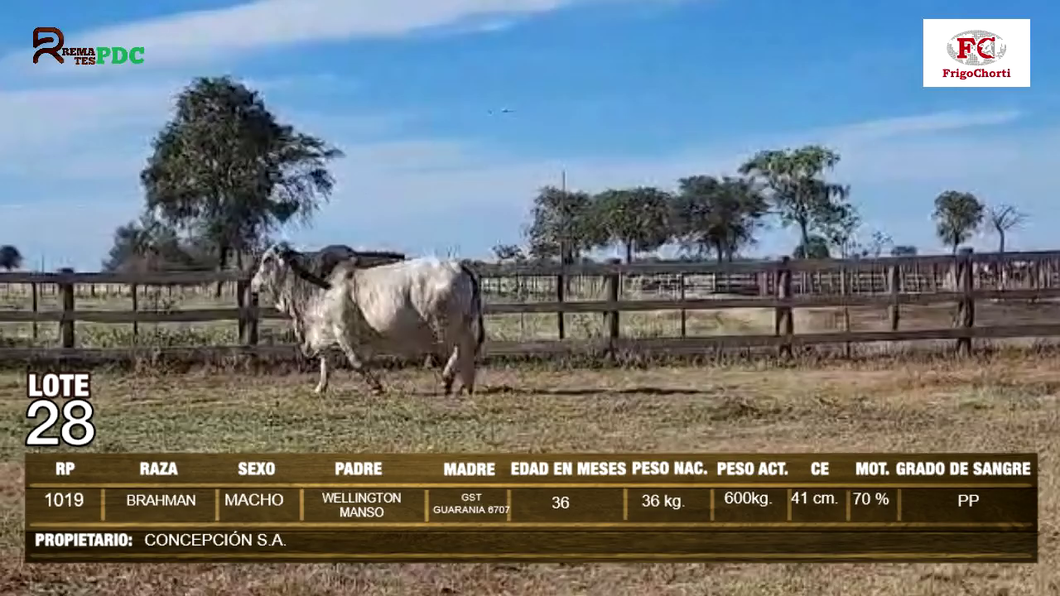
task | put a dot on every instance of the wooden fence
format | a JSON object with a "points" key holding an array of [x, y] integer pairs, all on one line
{"points": [[781, 286]]}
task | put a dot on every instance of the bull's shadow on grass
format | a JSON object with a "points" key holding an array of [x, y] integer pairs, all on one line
{"points": [[587, 391]]}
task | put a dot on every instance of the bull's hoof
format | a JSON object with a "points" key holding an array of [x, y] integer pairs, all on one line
{"points": [[320, 389], [447, 386], [376, 390]]}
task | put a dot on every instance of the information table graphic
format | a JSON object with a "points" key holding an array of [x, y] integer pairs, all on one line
{"points": [[178, 507]]}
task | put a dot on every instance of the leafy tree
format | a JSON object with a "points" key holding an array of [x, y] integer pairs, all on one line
{"points": [[1001, 219], [10, 258], [799, 192], [637, 219], [226, 171], [150, 245], [903, 250], [563, 225], [957, 216], [840, 230], [132, 243], [508, 252], [816, 247], [718, 216]]}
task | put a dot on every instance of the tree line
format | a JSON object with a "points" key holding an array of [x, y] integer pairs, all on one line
{"points": [[720, 217], [225, 174]]}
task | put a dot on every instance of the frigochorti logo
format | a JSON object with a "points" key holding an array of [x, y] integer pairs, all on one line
{"points": [[975, 49], [85, 56], [971, 53]]}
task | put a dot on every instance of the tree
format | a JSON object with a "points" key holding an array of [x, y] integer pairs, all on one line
{"points": [[10, 258], [799, 192], [903, 250], [871, 247], [563, 225], [1001, 219], [840, 230], [878, 244], [957, 216], [225, 170], [637, 219], [508, 252], [150, 245], [718, 216], [131, 244], [816, 247]]}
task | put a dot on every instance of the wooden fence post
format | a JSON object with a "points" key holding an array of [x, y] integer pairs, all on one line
{"points": [[894, 286], [614, 285], [844, 290], [242, 293], [763, 283], [966, 306], [561, 285], [35, 289], [249, 316], [255, 316], [684, 313], [135, 307], [66, 327], [784, 323]]}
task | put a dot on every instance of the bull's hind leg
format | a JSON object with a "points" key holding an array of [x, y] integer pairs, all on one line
{"points": [[322, 386], [359, 366], [466, 364], [446, 350], [449, 373]]}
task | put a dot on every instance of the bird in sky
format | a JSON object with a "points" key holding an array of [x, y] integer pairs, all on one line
{"points": [[501, 111]]}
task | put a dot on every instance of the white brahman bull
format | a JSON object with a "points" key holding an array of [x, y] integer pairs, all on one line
{"points": [[412, 308]]}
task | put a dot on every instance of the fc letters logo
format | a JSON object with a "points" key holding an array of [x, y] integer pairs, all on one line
{"points": [[84, 56], [976, 48]]}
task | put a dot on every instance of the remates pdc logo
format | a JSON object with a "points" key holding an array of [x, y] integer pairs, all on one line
{"points": [[976, 47]]}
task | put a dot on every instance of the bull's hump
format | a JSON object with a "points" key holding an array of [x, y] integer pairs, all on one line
{"points": [[427, 264]]}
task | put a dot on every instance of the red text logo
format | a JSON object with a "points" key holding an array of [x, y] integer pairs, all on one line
{"points": [[976, 47]]}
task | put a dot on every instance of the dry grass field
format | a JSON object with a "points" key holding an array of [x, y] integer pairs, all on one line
{"points": [[1007, 402]]}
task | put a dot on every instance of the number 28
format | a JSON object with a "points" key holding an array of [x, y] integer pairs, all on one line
{"points": [[66, 435]]}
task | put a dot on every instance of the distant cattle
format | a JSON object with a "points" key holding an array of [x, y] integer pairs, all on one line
{"points": [[419, 307]]}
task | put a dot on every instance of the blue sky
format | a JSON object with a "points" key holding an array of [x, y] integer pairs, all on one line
{"points": [[614, 92]]}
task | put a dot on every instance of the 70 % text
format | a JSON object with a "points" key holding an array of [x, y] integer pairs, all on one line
{"points": [[861, 498]]}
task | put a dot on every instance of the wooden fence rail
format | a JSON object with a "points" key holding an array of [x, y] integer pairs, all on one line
{"points": [[774, 280]]}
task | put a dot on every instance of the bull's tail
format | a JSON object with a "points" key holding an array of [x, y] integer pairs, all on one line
{"points": [[476, 305]]}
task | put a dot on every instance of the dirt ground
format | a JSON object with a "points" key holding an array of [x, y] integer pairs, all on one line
{"points": [[1006, 403]]}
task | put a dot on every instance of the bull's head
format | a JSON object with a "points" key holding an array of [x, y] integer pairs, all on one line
{"points": [[276, 263], [272, 267]]}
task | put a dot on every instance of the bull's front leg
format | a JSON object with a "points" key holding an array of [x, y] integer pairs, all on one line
{"points": [[358, 364]]}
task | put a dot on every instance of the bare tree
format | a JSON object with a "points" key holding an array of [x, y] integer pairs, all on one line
{"points": [[1003, 218]]}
